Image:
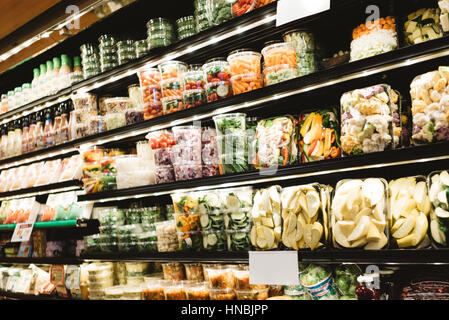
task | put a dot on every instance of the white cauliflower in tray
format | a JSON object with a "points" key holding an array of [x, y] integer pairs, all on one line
{"points": [[377, 142], [420, 119], [353, 126], [380, 123]]}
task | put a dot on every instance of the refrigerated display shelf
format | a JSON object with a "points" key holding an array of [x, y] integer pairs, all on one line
{"points": [[373, 164], [80, 223], [44, 260], [40, 190], [22, 296]]}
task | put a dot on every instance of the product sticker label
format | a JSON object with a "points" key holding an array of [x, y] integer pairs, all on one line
{"points": [[264, 267], [22, 232], [57, 275]]}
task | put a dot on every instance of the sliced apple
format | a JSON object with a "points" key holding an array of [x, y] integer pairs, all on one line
{"points": [[339, 237], [346, 227], [277, 219], [442, 214], [363, 212], [275, 198], [317, 233], [253, 236], [268, 222], [437, 234], [377, 245], [426, 206], [360, 230], [420, 193], [444, 178], [397, 225], [359, 243], [380, 224], [308, 235], [302, 201], [277, 233], [266, 203], [291, 223], [269, 236], [286, 240], [262, 243], [373, 233], [378, 210], [409, 205], [313, 203], [407, 226], [300, 227], [349, 186], [373, 189]]}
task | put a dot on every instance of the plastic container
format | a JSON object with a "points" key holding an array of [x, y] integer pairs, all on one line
{"points": [[173, 271], [172, 69], [152, 110], [254, 294], [376, 133], [172, 87], [194, 80], [151, 94], [160, 139], [230, 123], [279, 54], [174, 291], [142, 48], [330, 141], [238, 240], [194, 271], [220, 277], [153, 290], [149, 77], [193, 98], [262, 3], [187, 135], [214, 241], [222, 294], [167, 236], [279, 73], [218, 11], [165, 174], [371, 193], [303, 41], [185, 154], [196, 291], [134, 116], [246, 82], [244, 61], [187, 171], [93, 243], [172, 104], [84, 101], [111, 217], [162, 156], [218, 90], [116, 105], [437, 182], [115, 120], [239, 9]]}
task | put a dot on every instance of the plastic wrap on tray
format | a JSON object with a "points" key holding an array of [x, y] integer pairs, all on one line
{"points": [[359, 214], [409, 212], [305, 216], [319, 136], [430, 105], [275, 142], [266, 214], [50, 173], [71, 168], [366, 120], [439, 216]]}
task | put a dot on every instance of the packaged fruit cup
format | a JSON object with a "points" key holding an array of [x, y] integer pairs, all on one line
{"points": [[116, 105], [162, 156], [194, 80], [193, 98], [222, 294], [278, 54], [152, 110], [173, 271], [188, 171], [151, 94], [218, 90], [252, 294], [172, 87], [279, 73], [230, 123], [244, 61], [246, 82], [149, 77], [218, 11], [172, 104], [197, 291], [153, 291], [172, 69], [160, 139], [84, 100], [243, 6], [187, 135], [194, 271], [216, 70], [174, 291], [221, 277], [185, 154]]}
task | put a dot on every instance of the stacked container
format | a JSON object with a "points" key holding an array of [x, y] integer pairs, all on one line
{"points": [[90, 60], [245, 67], [209, 152], [186, 27], [280, 62], [126, 51], [172, 85], [100, 278], [108, 52], [161, 143], [135, 113], [194, 94], [303, 41], [141, 48], [85, 108], [186, 154], [150, 79], [218, 79], [201, 21], [161, 33]]}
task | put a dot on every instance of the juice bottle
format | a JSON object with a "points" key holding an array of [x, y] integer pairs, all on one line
{"points": [[3, 141], [32, 134], [10, 143], [49, 135], [25, 135], [56, 81], [49, 78], [39, 133], [64, 131], [18, 137], [64, 72], [57, 126], [4, 107], [42, 81], [77, 74], [35, 85], [18, 97]]}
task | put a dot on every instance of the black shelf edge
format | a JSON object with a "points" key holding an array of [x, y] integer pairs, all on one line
{"points": [[43, 260], [44, 188], [387, 158], [23, 296]]}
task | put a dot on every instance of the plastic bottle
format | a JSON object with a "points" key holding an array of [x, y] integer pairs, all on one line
{"points": [[26, 93], [42, 81], [65, 71], [55, 82], [77, 74], [4, 107], [25, 135], [35, 85], [18, 97], [49, 78], [32, 134], [64, 131], [39, 133], [57, 125], [49, 135], [18, 137], [10, 144], [4, 142]]}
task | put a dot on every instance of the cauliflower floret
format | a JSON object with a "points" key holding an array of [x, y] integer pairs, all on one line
{"points": [[426, 134], [435, 96], [376, 143], [444, 102], [379, 122], [348, 143], [440, 120], [420, 119], [353, 126]]}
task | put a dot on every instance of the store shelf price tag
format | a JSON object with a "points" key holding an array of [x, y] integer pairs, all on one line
{"points": [[273, 267], [22, 232], [291, 10]]}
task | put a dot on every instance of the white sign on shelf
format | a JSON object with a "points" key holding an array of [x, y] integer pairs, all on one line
{"points": [[22, 232], [273, 267], [291, 10]]}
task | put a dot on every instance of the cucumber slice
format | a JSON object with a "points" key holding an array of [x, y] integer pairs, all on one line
{"points": [[233, 202], [238, 216], [212, 239]]}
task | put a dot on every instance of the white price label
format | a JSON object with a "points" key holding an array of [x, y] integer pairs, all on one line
{"points": [[291, 10], [22, 232], [273, 267]]}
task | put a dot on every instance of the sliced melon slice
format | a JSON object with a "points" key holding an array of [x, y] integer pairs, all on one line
{"points": [[339, 237], [373, 233], [407, 226], [377, 245], [360, 230]]}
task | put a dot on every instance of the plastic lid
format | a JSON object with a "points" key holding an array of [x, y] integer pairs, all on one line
{"points": [[36, 72], [57, 62], [185, 19], [43, 68], [276, 45], [243, 52], [26, 86], [296, 30], [158, 20], [17, 89], [10, 93], [195, 67], [49, 65], [77, 62]]}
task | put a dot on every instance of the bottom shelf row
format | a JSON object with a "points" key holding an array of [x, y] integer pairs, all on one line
{"points": [[199, 281]]}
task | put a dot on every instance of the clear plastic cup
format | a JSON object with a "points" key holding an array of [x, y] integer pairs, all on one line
{"points": [[172, 69], [278, 54], [244, 61], [246, 82], [149, 77]]}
